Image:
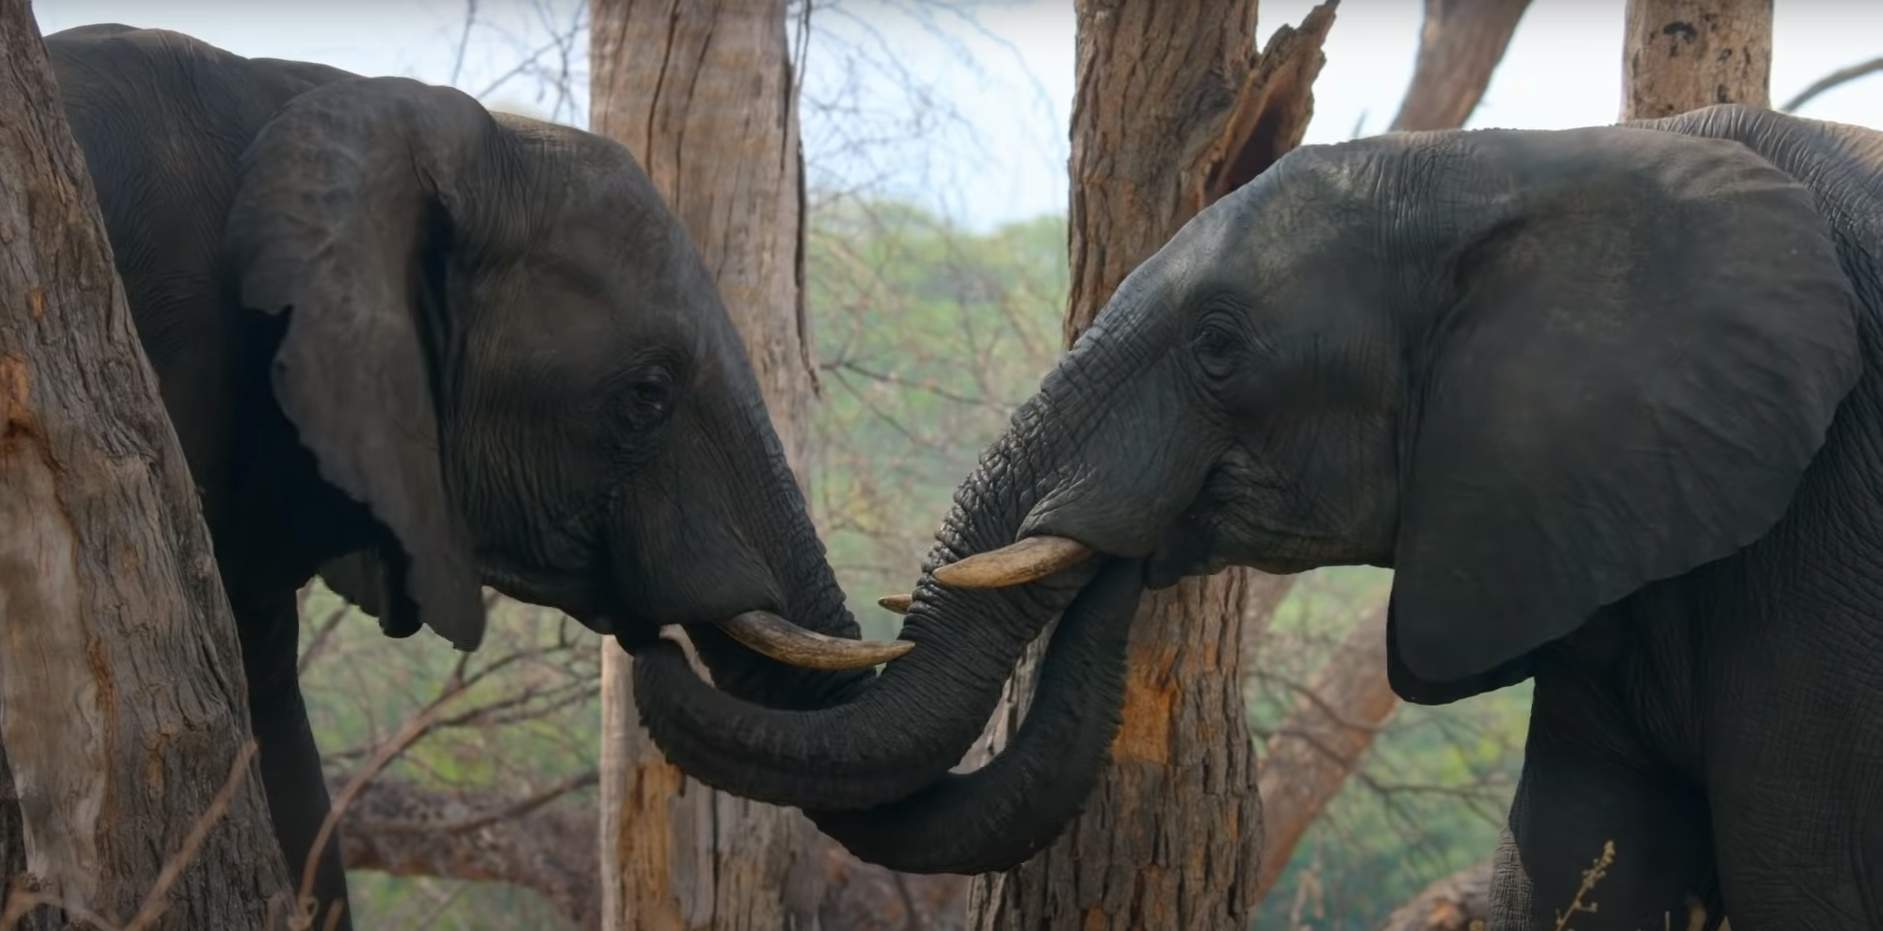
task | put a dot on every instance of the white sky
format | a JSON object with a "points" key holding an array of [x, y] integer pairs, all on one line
{"points": [[964, 109]]}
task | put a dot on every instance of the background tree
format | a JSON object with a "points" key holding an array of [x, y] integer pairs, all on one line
{"points": [[703, 94], [482, 819], [116, 641], [1460, 44], [1682, 55], [1175, 108]]}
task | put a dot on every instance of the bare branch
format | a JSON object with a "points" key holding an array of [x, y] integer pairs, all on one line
{"points": [[1459, 47], [549, 848], [1835, 79], [464, 40], [1320, 745], [318, 643]]}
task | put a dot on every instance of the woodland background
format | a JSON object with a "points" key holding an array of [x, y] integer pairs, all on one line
{"points": [[478, 777]]}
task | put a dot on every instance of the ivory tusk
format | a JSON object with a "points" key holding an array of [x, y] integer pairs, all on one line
{"points": [[1016, 563], [770, 635], [897, 603]]}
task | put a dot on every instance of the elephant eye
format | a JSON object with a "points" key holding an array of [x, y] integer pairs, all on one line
{"points": [[1218, 347], [650, 398]]}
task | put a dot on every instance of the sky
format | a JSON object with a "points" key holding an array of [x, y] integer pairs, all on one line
{"points": [[963, 107]]}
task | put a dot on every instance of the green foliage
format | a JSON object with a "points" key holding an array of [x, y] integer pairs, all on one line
{"points": [[518, 715], [1428, 798], [927, 338]]}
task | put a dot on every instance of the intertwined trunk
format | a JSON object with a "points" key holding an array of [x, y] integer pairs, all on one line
{"points": [[1175, 108], [122, 713], [1682, 55], [701, 93]]}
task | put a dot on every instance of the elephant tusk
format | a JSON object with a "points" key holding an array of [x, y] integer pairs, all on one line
{"points": [[897, 603], [770, 635], [1016, 563]]}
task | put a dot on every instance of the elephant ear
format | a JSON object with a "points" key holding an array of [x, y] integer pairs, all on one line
{"points": [[369, 580], [1649, 337], [345, 209]]}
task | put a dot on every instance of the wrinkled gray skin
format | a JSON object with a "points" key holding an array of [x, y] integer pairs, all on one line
{"points": [[1604, 399], [416, 348]]}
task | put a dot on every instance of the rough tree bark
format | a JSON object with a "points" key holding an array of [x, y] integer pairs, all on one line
{"points": [[701, 91], [1174, 109], [1459, 46], [1682, 55], [121, 695]]}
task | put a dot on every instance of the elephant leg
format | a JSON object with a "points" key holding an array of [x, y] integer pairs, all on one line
{"points": [[1797, 789], [1511, 892], [290, 762], [1589, 781]]}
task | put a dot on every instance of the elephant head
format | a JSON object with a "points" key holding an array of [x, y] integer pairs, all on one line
{"points": [[492, 333], [1530, 371]]}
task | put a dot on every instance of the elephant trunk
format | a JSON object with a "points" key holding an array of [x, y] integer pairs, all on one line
{"points": [[895, 740], [1003, 813], [916, 719], [832, 742]]}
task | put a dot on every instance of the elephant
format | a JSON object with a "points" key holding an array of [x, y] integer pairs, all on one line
{"points": [[1602, 400], [418, 348]]}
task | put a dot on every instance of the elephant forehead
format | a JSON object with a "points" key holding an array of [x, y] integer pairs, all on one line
{"points": [[1271, 224]]}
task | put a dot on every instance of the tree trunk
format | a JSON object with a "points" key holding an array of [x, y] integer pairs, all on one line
{"points": [[1174, 109], [1459, 46], [1322, 742], [1682, 55], [701, 92], [121, 695], [860, 896]]}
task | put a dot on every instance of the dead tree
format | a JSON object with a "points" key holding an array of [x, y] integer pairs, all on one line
{"points": [[132, 795]]}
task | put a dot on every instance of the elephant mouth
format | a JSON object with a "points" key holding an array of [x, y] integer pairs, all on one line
{"points": [[761, 631], [574, 594]]}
